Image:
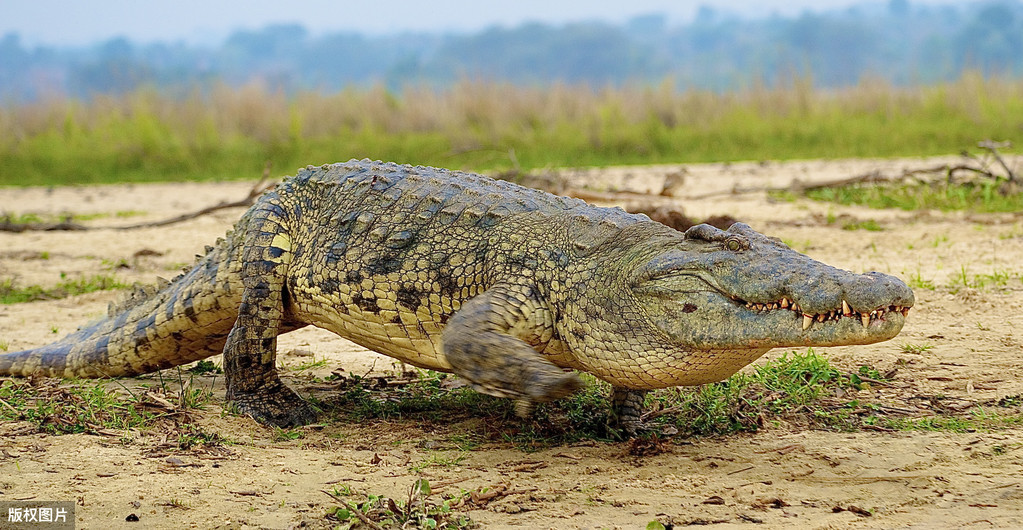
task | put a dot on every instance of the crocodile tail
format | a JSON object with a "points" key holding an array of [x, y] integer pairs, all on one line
{"points": [[186, 320]]}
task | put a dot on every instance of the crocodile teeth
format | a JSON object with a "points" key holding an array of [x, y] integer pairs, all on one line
{"points": [[807, 320], [822, 317], [905, 311], [845, 309], [865, 318], [784, 303]]}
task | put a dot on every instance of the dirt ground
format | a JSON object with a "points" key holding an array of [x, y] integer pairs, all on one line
{"points": [[783, 475]]}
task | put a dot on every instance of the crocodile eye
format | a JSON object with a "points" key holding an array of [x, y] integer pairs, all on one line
{"points": [[733, 244]]}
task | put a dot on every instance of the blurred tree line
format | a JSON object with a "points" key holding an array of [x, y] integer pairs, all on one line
{"points": [[898, 42]]}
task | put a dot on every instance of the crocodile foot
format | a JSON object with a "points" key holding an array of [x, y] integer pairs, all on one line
{"points": [[544, 387], [276, 405], [627, 411]]}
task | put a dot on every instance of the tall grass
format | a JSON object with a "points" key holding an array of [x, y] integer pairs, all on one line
{"points": [[225, 133]]}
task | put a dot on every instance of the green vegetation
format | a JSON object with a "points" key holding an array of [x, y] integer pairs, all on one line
{"points": [[58, 406], [230, 133], [205, 367], [419, 510], [425, 397], [917, 281], [72, 408], [997, 279], [869, 225], [801, 388], [439, 460], [310, 365], [286, 435], [793, 382], [10, 293], [916, 348], [13, 219], [980, 197]]}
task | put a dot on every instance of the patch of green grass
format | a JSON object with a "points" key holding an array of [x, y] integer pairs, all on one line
{"points": [[86, 216], [917, 281], [445, 459], [189, 393], [424, 398], [803, 388], [960, 280], [870, 225], [205, 367], [287, 435], [466, 442], [10, 293], [915, 348], [789, 384], [75, 407], [932, 423], [191, 435], [979, 197], [32, 218], [310, 365], [997, 279], [992, 415], [417, 510]]}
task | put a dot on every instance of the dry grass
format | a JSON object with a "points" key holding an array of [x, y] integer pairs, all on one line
{"points": [[229, 132]]}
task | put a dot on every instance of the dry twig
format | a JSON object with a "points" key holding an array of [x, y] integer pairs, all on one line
{"points": [[258, 189]]}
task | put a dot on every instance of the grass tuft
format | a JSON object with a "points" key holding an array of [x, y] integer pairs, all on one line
{"points": [[418, 510], [979, 197], [10, 293], [62, 408], [799, 386], [226, 133]]}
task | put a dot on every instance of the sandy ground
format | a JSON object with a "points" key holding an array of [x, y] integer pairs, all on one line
{"points": [[783, 475]]}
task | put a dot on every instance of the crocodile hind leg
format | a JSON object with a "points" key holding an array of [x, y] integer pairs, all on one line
{"points": [[253, 384], [627, 408], [481, 345]]}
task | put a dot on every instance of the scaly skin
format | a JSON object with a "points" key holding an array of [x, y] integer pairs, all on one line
{"points": [[509, 287]]}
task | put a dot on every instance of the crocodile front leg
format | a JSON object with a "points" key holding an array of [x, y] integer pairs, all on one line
{"points": [[481, 346], [250, 354]]}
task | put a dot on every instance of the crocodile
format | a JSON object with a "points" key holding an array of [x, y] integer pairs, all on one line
{"points": [[511, 288]]}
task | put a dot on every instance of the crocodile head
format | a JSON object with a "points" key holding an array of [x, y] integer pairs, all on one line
{"points": [[742, 292]]}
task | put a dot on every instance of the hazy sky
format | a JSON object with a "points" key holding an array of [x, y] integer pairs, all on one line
{"points": [[73, 22]]}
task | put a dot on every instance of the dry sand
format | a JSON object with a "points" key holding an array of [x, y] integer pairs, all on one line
{"points": [[781, 476]]}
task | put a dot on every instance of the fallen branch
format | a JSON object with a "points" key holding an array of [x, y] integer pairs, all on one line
{"points": [[7, 225], [944, 171], [993, 148], [480, 498], [257, 190], [354, 510]]}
